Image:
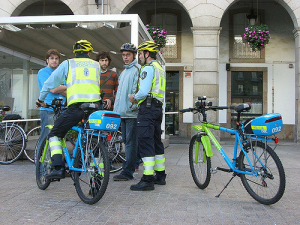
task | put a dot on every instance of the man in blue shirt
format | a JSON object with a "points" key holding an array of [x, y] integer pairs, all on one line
{"points": [[52, 60]]}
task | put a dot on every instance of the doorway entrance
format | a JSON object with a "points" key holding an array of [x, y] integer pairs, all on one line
{"points": [[172, 103]]}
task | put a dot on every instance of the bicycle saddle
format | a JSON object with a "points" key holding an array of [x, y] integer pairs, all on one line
{"points": [[89, 106], [245, 107]]}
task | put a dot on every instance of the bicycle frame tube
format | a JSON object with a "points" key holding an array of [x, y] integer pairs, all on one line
{"points": [[231, 164]]}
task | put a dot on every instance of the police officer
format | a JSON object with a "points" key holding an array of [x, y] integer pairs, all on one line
{"points": [[150, 98], [83, 85]]}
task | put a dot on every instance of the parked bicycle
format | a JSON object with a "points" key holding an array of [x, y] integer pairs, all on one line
{"points": [[12, 140], [257, 164], [88, 164]]}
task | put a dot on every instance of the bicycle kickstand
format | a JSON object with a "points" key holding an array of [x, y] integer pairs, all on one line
{"points": [[233, 176]]}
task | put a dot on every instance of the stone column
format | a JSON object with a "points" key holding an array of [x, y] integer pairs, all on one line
{"points": [[297, 84], [206, 66]]}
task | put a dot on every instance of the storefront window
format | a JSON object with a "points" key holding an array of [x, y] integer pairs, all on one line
{"points": [[247, 86], [18, 85]]}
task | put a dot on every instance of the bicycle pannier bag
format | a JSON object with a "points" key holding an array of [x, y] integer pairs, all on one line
{"points": [[264, 125], [104, 120]]}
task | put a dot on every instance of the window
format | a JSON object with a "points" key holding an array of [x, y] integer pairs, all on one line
{"points": [[248, 85], [239, 50], [170, 22]]}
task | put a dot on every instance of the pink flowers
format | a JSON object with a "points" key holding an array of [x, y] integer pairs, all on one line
{"points": [[158, 34], [257, 36]]}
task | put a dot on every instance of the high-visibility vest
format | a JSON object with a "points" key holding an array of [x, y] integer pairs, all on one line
{"points": [[83, 81], [158, 85]]}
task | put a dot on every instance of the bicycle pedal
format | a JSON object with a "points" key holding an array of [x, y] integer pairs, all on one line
{"points": [[213, 170], [54, 179]]}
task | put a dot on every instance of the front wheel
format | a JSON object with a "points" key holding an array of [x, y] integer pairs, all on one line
{"points": [[12, 143], [200, 164], [91, 184], [269, 184], [43, 164], [32, 140]]}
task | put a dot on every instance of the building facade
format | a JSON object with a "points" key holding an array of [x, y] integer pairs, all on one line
{"points": [[205, 54]]}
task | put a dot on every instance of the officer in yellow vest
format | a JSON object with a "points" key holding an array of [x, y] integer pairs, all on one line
{"points": [[150, 99], [83, 85]]}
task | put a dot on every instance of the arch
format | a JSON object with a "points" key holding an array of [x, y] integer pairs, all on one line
{"points": [[26, 3]]}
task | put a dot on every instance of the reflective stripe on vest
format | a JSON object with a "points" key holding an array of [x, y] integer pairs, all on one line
{"points": [[148, 164], [83, 82], [55, 146], [159, 162], [158, 85]]}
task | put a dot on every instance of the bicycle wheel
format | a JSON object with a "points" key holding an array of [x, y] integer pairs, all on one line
{"points": [[91, 185], [268, 187], [200, 168], [116, 152], [43, 165], [32, 138], [12, 143]]}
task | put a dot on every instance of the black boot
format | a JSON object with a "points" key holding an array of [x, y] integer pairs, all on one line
{"points": [[160, 178], [57, 173], [142, 186]]}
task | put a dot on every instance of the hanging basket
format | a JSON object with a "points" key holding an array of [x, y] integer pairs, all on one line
{"points": [[257, 36]]}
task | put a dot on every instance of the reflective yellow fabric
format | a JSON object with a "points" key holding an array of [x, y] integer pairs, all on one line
{"points": [[149, 163], [83, 81], [55, 146], [159, 162], [158, 86]]}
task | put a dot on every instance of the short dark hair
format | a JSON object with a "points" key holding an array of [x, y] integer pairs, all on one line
{"points": [[103, 55], [152, 54], [52, 52]]}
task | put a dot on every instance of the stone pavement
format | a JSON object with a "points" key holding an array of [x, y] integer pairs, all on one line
{"points": [[178, 202]]}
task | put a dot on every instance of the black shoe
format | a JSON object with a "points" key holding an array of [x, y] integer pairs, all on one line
{"points": [[142, 186], [56, 174], [120, 177], [159, 180]]}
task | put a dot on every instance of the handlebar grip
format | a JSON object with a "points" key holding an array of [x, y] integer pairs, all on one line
{"points": [[219, 107], [186, 110]]}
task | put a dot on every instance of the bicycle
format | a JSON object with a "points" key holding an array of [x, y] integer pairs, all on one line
{"points": [[257, 164], [12, 140], [89, 164]]}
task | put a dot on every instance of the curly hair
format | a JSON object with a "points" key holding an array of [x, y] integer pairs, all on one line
{"points": [[103, 55]]}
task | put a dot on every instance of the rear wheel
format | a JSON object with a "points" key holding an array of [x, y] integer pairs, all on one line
{"points": [[200, 164], [32, 139], [91, 185], [116, 152], [269, 184], [12, 143], [43, 165]]}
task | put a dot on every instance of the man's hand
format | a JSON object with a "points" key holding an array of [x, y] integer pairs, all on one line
{"points": [[131, 98], [108, 103], [38, 104]]}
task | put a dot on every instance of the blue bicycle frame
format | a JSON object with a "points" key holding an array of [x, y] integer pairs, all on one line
{"points": [[207, 146]]}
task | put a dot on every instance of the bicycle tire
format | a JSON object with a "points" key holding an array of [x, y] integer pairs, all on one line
{"points": [[91, 185], [116, 152], [268, 187], [32, 140], [43, 168], [12, 143], [200, 170]]}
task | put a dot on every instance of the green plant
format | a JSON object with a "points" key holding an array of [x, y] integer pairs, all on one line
{"points": [[158, 34], [257, 36]]}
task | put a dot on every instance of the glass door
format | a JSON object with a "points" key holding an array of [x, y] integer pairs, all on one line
{"points": [[247, 87], [172, 103]]}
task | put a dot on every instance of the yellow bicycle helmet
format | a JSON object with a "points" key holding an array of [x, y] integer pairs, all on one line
{"points": [[82, 46], [148, 46]]}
